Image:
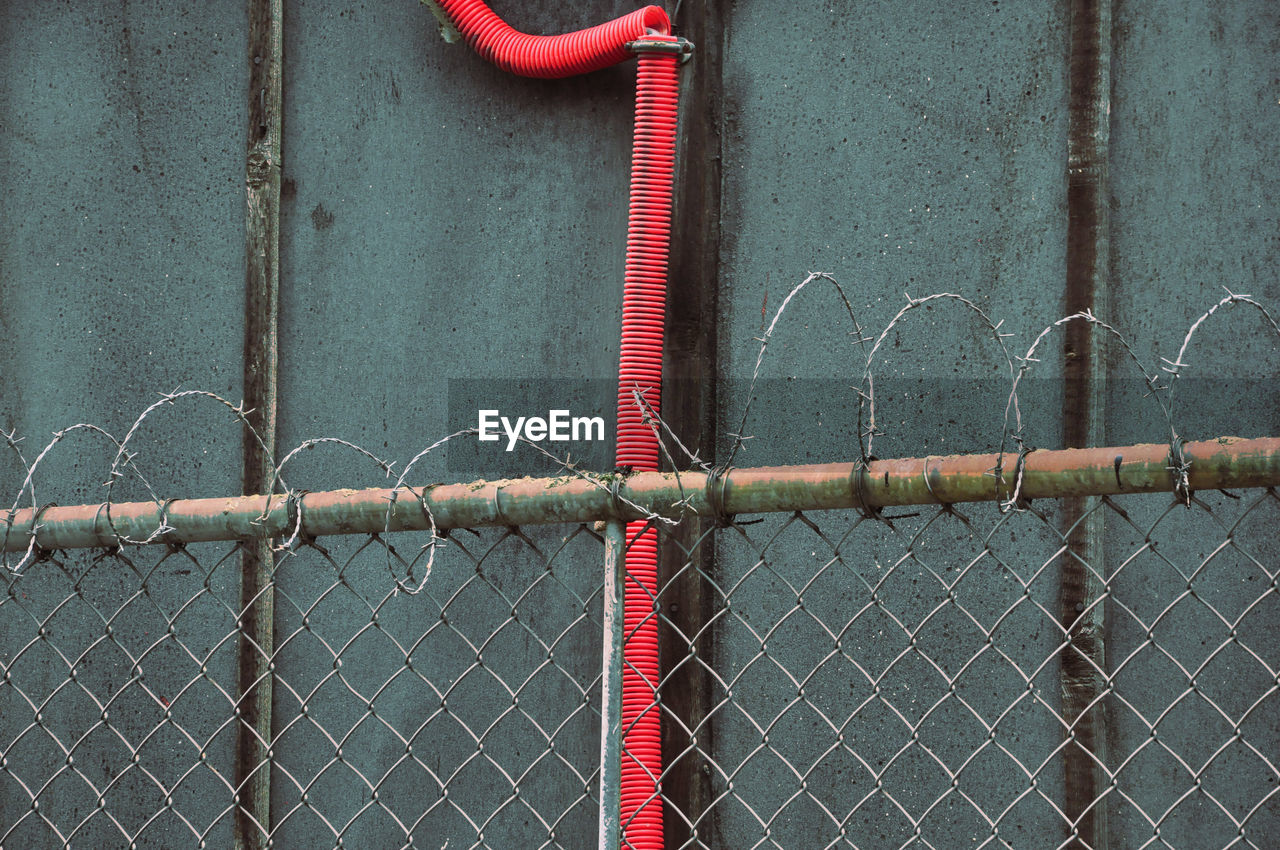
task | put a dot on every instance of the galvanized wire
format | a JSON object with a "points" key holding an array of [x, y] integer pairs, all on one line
{"points": [[857, 678], [874, 683], [468, 713], [877, 683]]}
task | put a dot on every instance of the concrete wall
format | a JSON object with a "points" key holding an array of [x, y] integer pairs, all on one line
{"points": [[452, 236], [121, 276], [1195, 192]]}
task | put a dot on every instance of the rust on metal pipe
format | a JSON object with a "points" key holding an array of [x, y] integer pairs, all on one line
{"points": [[1227, 462]]}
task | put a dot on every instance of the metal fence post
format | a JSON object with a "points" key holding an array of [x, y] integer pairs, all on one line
{"points": [[615, 541]]}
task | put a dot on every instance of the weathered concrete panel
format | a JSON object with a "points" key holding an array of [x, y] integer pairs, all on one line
{"points": [[903, 150], [445, 222], [121, 245], [122, 227], [1195, 195], [916, 149]]}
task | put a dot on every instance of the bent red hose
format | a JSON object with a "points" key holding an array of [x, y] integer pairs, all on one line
{"points": [[551, 56], [643, 325]]}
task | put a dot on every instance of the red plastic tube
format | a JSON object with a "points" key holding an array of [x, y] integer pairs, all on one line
{"points": [[644, 295], [644, 299], [552, 56], [643, 325]]}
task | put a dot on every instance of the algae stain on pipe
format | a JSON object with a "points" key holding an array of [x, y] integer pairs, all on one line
{"points": [[558, 427]]}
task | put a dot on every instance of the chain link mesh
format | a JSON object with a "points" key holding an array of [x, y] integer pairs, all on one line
{"points": [[463, 716], [1063, 673], [898, 682], [830, 680]]}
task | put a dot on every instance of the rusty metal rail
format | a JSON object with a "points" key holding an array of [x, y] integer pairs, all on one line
{"points": [[1223, 463]]}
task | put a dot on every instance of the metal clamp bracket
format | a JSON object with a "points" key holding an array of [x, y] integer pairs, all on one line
{"points": [[682, 47]]}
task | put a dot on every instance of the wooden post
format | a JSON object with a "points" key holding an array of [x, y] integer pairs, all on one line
{"points": [[262, 294]]}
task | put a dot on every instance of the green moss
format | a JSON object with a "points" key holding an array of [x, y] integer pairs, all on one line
{"points": [[447, 30]]}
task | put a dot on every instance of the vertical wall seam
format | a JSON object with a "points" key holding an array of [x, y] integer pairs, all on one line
{"points": [[262, 301], [1082, 607], [689, 399]]}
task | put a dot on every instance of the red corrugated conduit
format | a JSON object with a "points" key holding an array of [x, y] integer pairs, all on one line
{"points": [[552, 56], [643, 319]]}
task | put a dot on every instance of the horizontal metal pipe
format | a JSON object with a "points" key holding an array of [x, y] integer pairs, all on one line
{"points": [[1227, 462]]}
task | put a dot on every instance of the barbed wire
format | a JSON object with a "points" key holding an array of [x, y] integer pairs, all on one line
{"points": [[1012, 438], [905, 650]]}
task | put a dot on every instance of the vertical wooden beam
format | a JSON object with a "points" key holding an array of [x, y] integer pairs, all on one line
{"points": [[262, 293], [1081, 609], [689, 407]]}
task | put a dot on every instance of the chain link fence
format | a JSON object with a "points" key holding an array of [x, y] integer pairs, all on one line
{"points": [[832, 679], [467, 713], [1022, 649], [898, 682]]}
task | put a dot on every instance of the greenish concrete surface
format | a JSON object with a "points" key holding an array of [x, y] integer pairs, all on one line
{"points": [[904, 151], [1195, 115], [443, 221], [121, 276]]}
